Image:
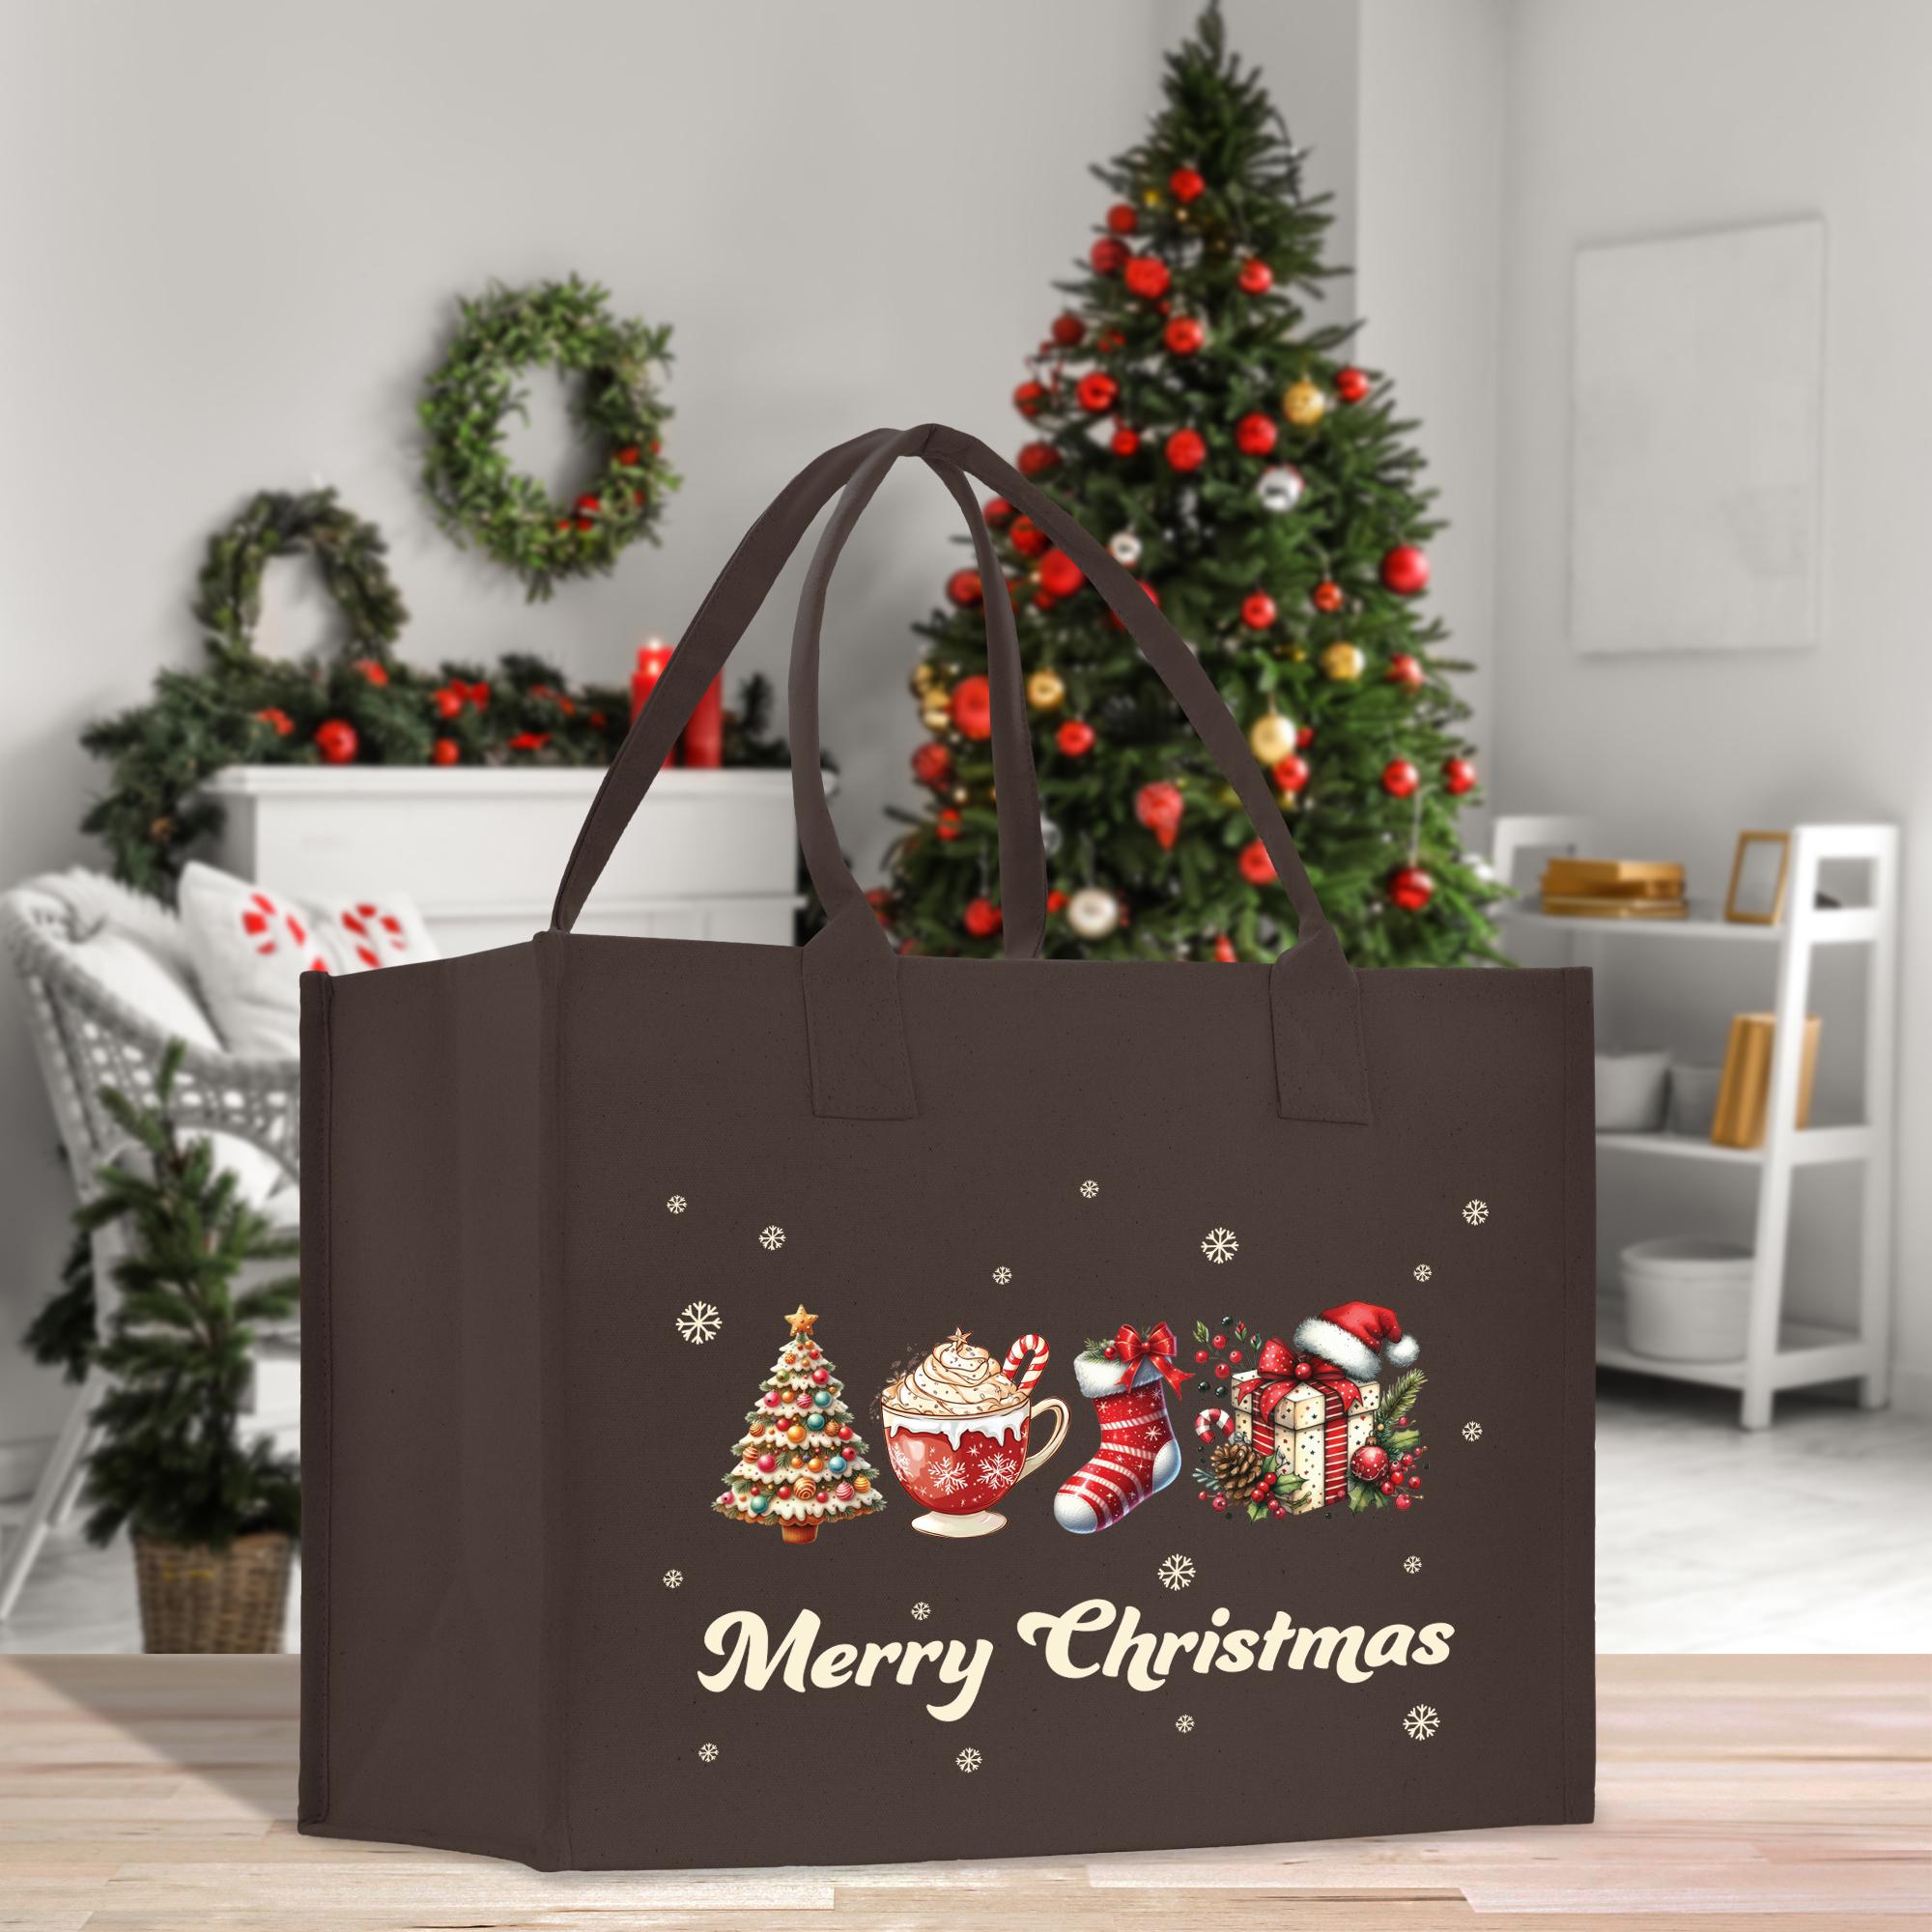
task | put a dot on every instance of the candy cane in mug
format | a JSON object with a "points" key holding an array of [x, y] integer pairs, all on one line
{"points": [[1028, 1345]]}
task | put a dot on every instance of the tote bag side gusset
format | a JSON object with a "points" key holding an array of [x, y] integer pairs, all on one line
{"points": [[423, 1411]]}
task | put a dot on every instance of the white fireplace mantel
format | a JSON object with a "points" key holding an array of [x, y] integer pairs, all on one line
{"points": [[710, 854]]}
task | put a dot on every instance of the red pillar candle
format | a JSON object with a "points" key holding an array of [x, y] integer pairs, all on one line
{"points": [[653, 660], [704, 734]]}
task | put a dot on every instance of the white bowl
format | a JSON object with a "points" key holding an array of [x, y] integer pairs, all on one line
{"points": [[1687, 1298]]}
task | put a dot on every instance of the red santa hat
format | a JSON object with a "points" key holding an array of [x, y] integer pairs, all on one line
{"points": [[1360, 1338]]}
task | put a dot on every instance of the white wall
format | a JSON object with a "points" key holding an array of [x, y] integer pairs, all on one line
{"points": [[233, 236], [1657, 116]]}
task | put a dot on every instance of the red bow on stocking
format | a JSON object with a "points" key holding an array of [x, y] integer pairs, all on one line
{"points": [[1158, 1347]]}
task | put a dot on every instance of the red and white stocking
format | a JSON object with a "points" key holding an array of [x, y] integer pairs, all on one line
{"points": [[1137, 1455]]}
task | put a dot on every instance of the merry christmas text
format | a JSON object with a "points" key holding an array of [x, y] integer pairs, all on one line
{"points": [[1092, 1638]]}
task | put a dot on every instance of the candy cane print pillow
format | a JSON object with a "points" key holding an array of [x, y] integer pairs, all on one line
{"points": [[251, 945]]}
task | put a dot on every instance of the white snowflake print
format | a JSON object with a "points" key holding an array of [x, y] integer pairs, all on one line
{"points": [[969, 1759], [1004, 1469], [1184, 1724], [772, 1239], [1003, 1275], [1476, 1213], [1177, 1573], [950, 1480], [1219, 1244], [1090, 1188], [707, 1753], [672, 1578], [1422, 1270], [1422, 1722], [698, 1322], [1472, 1432], [920, 1611], [1412, 1564], [675, 1205]]}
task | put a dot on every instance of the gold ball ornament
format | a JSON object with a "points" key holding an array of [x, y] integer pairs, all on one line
{"points": [[804, 1489], [861, 1484], [1271, 738], [1047, 691], [796, 1433], [1303, 403], [1344, 663], [936, 714]]}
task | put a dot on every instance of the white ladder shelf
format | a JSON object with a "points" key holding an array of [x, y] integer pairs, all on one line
{"points": [[1780, 1354]]}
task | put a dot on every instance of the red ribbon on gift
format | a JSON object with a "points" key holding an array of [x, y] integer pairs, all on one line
{"points": [[1157, 1348], [1284, 1372]]}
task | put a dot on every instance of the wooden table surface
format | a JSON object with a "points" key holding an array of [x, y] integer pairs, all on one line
{"points": [[145, 1793]]}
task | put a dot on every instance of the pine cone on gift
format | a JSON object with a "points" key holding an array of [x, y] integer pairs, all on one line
{"points": [[1236, 1468]]}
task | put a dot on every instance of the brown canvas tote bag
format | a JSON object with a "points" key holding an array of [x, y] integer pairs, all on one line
{"points": [[770, 1406]]}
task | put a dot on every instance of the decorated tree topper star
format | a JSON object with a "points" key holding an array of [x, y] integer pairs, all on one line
{"points": [[801, 1322]]}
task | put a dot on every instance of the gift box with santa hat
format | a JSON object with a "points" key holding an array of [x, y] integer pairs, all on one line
{"points": [[1312, 1404]]}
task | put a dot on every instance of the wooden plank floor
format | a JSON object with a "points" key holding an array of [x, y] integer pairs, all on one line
{"points": [[150, 1794]]}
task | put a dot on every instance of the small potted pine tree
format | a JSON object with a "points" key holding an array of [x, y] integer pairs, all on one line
{"points": [[213, 1518]]}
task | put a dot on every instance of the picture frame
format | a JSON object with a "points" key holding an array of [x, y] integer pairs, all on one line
{"points": [[1759, 874]]}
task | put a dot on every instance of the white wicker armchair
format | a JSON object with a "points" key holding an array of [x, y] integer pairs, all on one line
{"points": [[61, 931]]}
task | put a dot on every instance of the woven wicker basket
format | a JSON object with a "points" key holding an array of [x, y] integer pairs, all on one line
{"points": [[207, 1600]]}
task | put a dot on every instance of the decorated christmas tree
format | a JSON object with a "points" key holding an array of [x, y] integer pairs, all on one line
{"points": [[800, 1460], [1187, 407]]}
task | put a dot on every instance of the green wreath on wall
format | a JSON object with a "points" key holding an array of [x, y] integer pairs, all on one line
{"points": [[480, 498]]}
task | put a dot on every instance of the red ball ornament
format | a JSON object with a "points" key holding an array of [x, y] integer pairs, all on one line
{"points": [[1369, 1462], [1186, 184], [1147, 277], [1410, 887], [1069, 330], [1400, 777], [1122, 218], [1256, 434], [444, 752], [1076, 737], [1405, 570], [1459, 774], [1160, 806], [447, 703], [965, 590], [1028, 398], [1186, 450], [1291, 772], [1352, 385], [1405, 670], [1224, 951], [1028, 538], [1038, 458], [1096, 391], [1059, 575], [1258, 610], [1126, 441], [1256, 867], [1256, 278], [1108, 256], [1184, 336], [1304, 738], [1326, 596], [336, 740], [1056, 901], [973, 708], [982, 919], [933, 764], [998, 512]]}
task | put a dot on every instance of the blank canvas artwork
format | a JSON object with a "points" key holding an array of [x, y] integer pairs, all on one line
{"points": [[1697, 405]]}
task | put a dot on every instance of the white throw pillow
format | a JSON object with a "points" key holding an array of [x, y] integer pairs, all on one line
{"points": [[251, 945], [136, 975]]}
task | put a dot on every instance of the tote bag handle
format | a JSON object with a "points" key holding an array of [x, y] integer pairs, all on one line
{"points": [[729, 606], [860, 1068]]}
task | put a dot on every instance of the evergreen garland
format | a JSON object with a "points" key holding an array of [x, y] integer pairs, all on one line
{"points": [[479, 498]]}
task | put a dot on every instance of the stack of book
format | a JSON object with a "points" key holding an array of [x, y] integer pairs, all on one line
{"points": [[1614, 889]]}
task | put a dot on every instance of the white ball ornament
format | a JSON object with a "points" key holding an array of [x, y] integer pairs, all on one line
{"points": [[1281, 488], [1093, 913], [1049, 836], [1125, 548]]}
